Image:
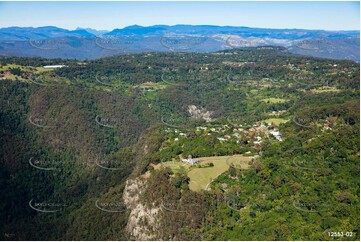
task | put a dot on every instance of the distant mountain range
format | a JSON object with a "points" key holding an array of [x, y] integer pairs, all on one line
{"points": [[86, 43], [93, 31]]}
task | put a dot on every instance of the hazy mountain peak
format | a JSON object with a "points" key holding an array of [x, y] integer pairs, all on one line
{"points": [[93, 31]]}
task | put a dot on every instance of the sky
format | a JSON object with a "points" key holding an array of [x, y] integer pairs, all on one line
{"points": [[111, 15]]}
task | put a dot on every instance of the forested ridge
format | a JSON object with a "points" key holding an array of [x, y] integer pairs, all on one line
{"points": [[71, 137]]}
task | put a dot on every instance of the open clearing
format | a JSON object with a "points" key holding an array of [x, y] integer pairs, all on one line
{"points": [[276, 121], [200, 177], [8, 75], [325, 90], [274, 100], [25, 68], [175, 166]]}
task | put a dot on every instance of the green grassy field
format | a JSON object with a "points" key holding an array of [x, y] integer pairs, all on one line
{"points": [[25, 68], [8, 66], [239, 161], [200, 177], [276, 121], [324, 90], [9, 76], [175, 166], [274, 100], [42, 69]]}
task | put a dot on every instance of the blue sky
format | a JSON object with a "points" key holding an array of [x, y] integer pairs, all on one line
{"points": [[110, 15]]}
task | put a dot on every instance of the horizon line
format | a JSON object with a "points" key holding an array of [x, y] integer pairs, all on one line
{"points": [[143, 26]]}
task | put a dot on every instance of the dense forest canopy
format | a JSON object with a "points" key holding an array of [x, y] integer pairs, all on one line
{"points": [[72, 136]]}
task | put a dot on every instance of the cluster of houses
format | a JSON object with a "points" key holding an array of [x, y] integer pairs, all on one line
{"points": [[252, 135]]}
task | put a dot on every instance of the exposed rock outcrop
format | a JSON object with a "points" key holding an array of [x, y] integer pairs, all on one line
{"points": [[200, 113], [143, 221]]}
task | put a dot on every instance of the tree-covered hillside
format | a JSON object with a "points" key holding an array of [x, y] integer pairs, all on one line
{"points": [[71, 137]]}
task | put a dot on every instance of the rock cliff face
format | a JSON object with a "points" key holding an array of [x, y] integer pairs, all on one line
{"points": [[143, 221], [200, 113]]}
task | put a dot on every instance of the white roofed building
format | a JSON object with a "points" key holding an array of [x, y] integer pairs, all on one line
{"points": [[190, 160]]}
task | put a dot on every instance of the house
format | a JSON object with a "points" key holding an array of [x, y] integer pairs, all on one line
{"points": [[190, 160], [276, 134], [259, 140], [54, 66]]}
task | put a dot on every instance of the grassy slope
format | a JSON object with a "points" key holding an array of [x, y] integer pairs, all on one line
{"points": [[200, 177]]}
